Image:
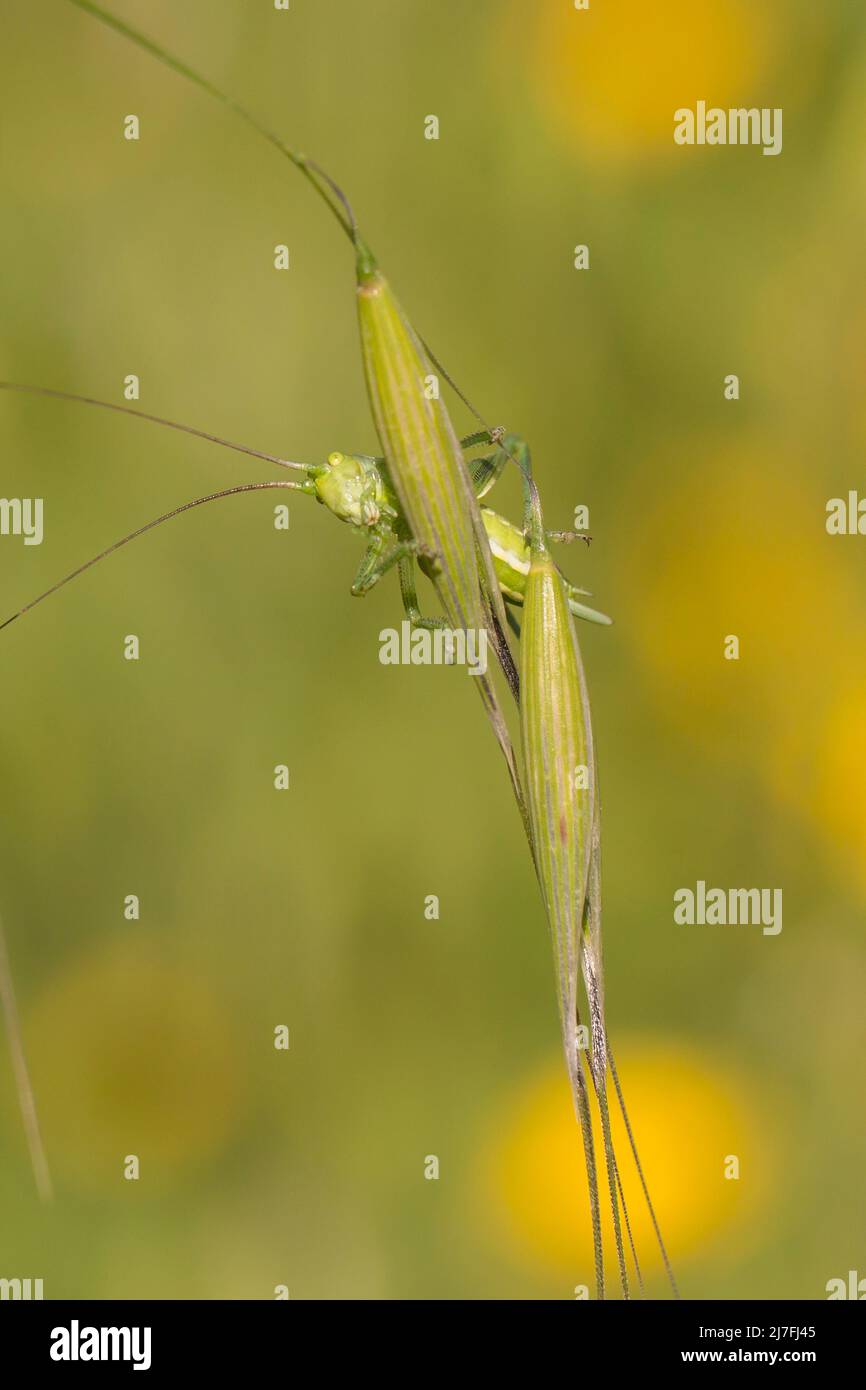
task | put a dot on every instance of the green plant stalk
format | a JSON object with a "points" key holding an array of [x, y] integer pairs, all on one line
{"points": [[562, 798], [557, 741], [308, 167], [426, 468], [451, 526]]}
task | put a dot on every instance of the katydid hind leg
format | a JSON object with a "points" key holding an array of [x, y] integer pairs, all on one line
{"points": [[485, 472]]}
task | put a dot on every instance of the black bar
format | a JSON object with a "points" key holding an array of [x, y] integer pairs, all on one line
{"points": [[220, 1339]]}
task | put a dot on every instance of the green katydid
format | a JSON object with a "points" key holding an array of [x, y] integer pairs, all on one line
{"points": [[425, 462], [356, 489], [392, 503]]}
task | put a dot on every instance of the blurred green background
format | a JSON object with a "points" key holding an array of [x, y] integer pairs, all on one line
{"points": [[411, 1037]]}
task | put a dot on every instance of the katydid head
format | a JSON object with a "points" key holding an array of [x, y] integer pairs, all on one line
{"points": [[351, 488]]}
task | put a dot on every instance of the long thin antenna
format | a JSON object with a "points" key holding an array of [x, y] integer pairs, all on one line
{"points": [[26, 1096], [154, 420], [141, 530], [437, 365], [311, 171], [484, 436]]}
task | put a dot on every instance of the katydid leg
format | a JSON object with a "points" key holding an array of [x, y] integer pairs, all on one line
{"points": [[378, 561], [410, 596]]}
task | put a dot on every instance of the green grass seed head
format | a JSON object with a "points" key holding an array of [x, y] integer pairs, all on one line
{"points": [[421, 449], [562, 797], [559, 777], [430, 477], [559, 769]]}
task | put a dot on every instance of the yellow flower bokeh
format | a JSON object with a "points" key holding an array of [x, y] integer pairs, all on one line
{"points": [[725, 554], [610, 78], [840, 800], [741, 550], [688, 1114], [130, 1055]]}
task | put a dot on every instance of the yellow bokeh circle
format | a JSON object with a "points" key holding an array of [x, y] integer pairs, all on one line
{"points": [[695, 1123], [130, 1055], [610, 78]]}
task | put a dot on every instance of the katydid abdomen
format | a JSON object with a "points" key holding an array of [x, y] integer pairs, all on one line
{"points": [[510, 551]]}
